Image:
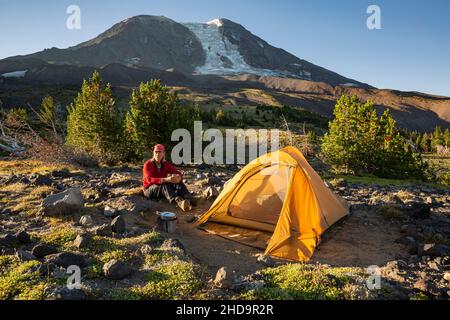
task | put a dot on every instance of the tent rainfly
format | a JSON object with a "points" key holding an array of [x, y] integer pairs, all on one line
{"points": [[278, 195]]}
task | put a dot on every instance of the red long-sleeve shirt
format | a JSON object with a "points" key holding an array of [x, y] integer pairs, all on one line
{"points": [[151, 175]]}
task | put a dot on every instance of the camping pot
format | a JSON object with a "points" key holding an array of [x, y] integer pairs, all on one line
{"points": [[167, 221]]}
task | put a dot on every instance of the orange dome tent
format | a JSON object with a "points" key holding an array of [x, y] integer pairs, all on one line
{"points": [[277, 202]]}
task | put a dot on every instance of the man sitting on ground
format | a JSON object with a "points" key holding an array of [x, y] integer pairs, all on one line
{"points": [[162, 180]]}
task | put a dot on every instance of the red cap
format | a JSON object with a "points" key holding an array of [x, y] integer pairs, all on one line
{"points": [[159, 147]]}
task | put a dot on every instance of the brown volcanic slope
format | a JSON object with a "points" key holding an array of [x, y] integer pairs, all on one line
{"points": [[412, 110]]}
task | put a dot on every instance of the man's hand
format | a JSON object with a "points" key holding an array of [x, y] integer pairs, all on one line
{"points": [[175, 179]]}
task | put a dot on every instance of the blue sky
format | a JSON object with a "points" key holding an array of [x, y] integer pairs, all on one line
{"points": [[411, 52]]}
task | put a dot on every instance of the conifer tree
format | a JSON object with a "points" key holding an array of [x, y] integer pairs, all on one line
{"points": [[447, 138], [437, 138], [94, 124], [154, 114]]}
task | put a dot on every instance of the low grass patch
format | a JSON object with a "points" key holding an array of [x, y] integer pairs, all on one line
{"points": [[304, 282], [162, 256], [371, 180], [102, 244], [420, 296], [60, 236], [28, 167], [374, 180], [405, 196], [171, 281], [158, 257], [391, 212], [106, 249], [17, 281], [20, 197]]}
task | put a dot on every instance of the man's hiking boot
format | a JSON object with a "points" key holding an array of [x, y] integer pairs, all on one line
{"points": [[183, 204], [192, 199]]}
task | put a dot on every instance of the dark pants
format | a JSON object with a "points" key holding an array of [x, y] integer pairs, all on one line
{"points": [[167, 190]]}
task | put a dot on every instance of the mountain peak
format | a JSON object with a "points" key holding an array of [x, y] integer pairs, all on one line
{"points": [[222, 22], [145, 18], [217, 22], [218, 47]]}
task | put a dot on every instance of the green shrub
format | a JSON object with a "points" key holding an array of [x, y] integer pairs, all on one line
{"points": [[17, 117], [360, 141], [47, 114]]}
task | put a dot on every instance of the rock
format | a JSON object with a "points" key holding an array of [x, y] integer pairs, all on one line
{"points": [[266, 260], [203, 166], [396, 264], [173, 243], [249, 285], [426, 286], [421, 285], [82, 241], [224, 279], [429, 232], [45, 269], [410, 243], [42, 250], [86, 220], [103, 230], [200, 176], [23, 237], [8, 241], [211, 193], [110, 212], [418, 210], [64, 203], [214, 181], [116, 270], [118, 225], [25, 256], [40, 180], [64, 173], [411, 231], [66, 259], [446, 263], [130, 205], [393, 199], [191, 219], [447, 276], [434, 250], [68, 294], [24, 180], [433, 265], [430, 200], [145, 249]]}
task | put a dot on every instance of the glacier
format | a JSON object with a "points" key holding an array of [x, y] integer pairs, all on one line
{"points": [[14, 74], [224, 58]]}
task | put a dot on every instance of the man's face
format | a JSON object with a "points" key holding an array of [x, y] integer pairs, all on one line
{"points": [[159, 155]]}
